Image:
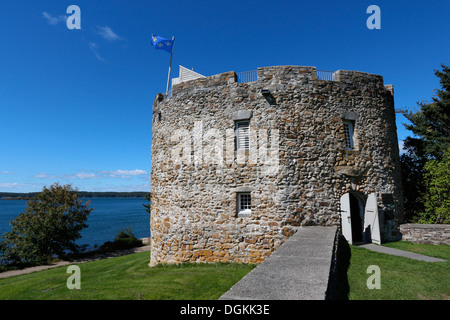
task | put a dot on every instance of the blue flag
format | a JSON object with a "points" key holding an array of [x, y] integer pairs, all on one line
{"points": [[162, 43]]}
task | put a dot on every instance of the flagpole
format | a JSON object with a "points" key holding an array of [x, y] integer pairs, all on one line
{"points": [[170, 65]]}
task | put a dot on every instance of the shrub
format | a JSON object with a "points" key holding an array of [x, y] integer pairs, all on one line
{"points": [[125, 239], [48, 228]]}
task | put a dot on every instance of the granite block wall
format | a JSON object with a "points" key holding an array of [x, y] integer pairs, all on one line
{"points": [[436, 234]]}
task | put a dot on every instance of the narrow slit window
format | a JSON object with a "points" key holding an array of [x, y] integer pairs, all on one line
{"points": [[349, 135], [244, 204], [242, 135]]}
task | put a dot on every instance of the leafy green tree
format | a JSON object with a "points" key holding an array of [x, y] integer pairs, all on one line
{"points": [[431, 124], [148, 206], [412, 164], [437, 197], [431, 127], [48, 228]]}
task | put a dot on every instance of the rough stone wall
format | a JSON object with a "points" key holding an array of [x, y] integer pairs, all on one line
{"points": [[426, 233], [296, 170]]}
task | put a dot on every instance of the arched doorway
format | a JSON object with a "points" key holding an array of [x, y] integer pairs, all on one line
{"points": [[359, 218]]}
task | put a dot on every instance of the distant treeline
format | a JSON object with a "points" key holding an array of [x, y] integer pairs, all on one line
{"points": [[81, 194]]}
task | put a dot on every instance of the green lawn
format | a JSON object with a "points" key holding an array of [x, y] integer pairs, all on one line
{"points": [[401, 278], [129, 277]]}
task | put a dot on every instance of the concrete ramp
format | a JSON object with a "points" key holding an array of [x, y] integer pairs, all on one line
{"points": [[298, 270]]}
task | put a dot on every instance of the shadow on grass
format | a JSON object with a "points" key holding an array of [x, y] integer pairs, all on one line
{"points": [[338, 287]]}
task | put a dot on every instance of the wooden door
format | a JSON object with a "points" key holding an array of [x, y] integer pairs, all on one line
{"points": [[371, 219], [346, 221]]}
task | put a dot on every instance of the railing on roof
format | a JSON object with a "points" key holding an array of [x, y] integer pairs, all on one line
{"points": [[325, 75], [247, 76], [252, 76]]}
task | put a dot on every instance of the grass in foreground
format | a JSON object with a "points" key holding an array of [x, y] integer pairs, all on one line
{"points": [[127, 277], [401, 278]]}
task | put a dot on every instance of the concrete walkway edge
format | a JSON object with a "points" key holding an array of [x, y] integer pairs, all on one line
{"points": [[399, 253], [298, 270]]}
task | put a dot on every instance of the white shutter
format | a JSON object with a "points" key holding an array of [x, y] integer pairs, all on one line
{"points": [[187, 75], [243, 135]]}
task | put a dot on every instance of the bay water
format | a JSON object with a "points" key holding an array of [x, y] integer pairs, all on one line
{"points": [[109, 216]]}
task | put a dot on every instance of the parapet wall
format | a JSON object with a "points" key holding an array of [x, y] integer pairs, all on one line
{"points": [[426, 233], [296, 170], [277, 74]]}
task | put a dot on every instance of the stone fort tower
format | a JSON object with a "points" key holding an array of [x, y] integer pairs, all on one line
{"points": [[238, 166]]}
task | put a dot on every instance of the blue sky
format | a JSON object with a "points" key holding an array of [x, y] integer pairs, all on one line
{"points": [[76, 105]]}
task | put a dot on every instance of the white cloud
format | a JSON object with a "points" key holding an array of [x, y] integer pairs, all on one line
{"points": [[125, 173], [125, 188], [7, 172], [43, 175], [94, 48], [53, 20], [108, 34], [84, 175], [135, 172], [11, 185], [79, 175]]}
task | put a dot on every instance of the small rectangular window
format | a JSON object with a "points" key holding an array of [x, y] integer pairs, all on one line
{"points": [[244, 204], [349, 136], [242, 135]]}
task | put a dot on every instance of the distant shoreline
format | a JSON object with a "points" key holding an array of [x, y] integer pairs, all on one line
{"points": [[81, 194]]}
